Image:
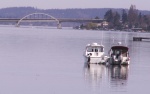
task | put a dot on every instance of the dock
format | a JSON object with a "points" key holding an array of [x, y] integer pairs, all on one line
{"points": [[139, 38]]}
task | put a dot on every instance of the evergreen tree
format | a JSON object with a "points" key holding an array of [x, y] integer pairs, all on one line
{"points": [[96, 17], [146, 22], [109, 16], [91, 25], [140, 19], [124, 16], [116, 21], [145, 18], [132, 16]]}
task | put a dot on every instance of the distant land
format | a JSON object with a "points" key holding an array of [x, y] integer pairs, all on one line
{"points": [[138, 19], [19, 12]]}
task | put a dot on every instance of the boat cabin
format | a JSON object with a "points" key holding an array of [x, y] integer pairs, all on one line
{"points": [[119, 50], [95, 49]]}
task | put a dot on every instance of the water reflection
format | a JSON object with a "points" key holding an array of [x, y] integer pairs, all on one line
{"points": [[94, 73], [119, 71], [118, 75], [102, 76]]}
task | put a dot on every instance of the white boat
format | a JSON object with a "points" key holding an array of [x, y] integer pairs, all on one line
{"points": [[94, 54], [119, 55]]}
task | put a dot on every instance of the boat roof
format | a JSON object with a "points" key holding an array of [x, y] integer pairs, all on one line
{"points": [[94, 45], [119, 47]]}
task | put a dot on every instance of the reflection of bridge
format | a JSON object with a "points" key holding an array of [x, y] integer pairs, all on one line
{"points": [[42, 17]]}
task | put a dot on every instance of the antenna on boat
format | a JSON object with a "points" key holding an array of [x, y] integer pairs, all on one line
{"points": [[113, 40], [119, 43], [102, 38], [126, 40]]}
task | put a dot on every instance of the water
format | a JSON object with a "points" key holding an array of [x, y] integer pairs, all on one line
{"points": [[50, 61]]}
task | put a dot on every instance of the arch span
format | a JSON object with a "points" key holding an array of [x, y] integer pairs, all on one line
{"points": [[52, 18]]}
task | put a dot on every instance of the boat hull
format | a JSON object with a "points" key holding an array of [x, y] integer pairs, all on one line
{"points": [[96, 60], [119, 62]]}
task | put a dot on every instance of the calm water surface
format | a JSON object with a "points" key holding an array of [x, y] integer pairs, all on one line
{"points": [[50, 61]]}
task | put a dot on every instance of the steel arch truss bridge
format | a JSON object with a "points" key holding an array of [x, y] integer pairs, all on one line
{"points": [[43, 17], [38, 17]]}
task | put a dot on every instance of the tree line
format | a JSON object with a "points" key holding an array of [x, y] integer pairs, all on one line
{"points": [[128, 19], [118, 19]]}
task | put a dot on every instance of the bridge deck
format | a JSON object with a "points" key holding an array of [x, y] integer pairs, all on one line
{"points": [[50, 19]]}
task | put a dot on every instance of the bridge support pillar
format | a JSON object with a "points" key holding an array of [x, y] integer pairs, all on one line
{"points": [[59, 25], [17, 25]]}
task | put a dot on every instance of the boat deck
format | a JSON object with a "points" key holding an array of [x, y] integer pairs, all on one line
{"points": [[140, 38]]}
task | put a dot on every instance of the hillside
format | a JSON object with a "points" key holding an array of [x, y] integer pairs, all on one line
{"points": [[18, 12]]}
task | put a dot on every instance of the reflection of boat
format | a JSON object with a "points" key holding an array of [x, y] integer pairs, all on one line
{"points": [[94, 73], [98, 75], [119, 55], [118, 76], [94, 53], [119, 71]]}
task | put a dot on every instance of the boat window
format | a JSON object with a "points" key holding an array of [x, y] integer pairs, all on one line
{"points": [[124, 53], [101, 49], [95, 49], [90, 49], [115, 52]]}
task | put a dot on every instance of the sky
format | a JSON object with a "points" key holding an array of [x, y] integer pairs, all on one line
{"points": [[63, 4]]}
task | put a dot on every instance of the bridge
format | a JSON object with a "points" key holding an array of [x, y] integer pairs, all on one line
{"points": [[42, 17]]}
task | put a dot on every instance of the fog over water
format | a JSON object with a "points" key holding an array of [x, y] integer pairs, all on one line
{"points": [[50, 61]]}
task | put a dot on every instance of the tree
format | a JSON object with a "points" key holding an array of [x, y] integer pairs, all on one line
{"points": [[140, 19], [124, 16], [91, 25], [96, 17], [113, 18], [82, 26], [116, 21], [132, 16], [145, 24], [109, 16], [146, 20]]}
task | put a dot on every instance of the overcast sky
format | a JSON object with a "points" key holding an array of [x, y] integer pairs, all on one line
{"points": [[53, 4]]}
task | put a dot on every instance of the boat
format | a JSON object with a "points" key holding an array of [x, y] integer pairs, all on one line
{"points": [[119, 55], [94, 54]]}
